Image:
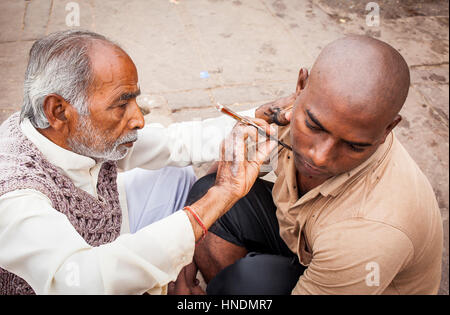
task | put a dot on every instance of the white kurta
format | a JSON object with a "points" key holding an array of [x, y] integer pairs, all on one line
{"points": [[40, 245]]}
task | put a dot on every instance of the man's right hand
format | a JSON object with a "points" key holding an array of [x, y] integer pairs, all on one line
{"points": [[237, 171], [236, 175]]}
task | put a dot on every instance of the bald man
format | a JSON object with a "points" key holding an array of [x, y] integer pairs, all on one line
{"points": [[350, 212]]}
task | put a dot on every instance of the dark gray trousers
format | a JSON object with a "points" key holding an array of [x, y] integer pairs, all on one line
{"points": [[270, 267]]}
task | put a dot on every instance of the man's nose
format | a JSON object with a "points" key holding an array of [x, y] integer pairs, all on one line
{"points": [[137, 118], [322, 153]]}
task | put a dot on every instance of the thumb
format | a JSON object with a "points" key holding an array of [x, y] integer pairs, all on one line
{"points": [[288, 115], [264, 149], [281, 119]]}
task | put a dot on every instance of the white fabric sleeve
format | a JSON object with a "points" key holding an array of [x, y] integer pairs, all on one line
{"points": [[40, 245]]}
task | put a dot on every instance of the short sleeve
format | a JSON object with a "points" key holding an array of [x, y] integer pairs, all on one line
{"points": [[355, 256]]}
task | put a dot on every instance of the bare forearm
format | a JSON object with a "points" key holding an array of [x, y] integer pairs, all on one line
{"points": [[234, 178], [210, 208]]}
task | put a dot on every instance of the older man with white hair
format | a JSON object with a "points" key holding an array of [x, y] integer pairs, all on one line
{"points": [[70, 222]]}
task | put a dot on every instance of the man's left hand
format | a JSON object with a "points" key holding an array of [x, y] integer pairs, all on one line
{"points": [[186, 283], [279, 111], [275, 112]]}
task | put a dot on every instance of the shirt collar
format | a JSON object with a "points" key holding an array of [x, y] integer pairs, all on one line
{"points": [[74, 165], [334, 185]]}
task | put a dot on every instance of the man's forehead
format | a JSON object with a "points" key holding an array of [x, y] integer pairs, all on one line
{"points": [[112, 67], [350, 99]]}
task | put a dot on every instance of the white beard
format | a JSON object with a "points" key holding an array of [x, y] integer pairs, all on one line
{"points": [[91, 143]]}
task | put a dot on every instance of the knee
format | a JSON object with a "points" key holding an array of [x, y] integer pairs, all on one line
{"points": [[200, 188], [257, 274], [187, 175]]}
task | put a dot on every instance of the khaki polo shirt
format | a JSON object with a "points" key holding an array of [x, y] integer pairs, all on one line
{"points": [[374, 230]]}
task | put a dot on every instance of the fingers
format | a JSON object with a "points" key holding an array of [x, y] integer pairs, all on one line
{"points": [[191, 273], [266, 131], [262, 149], [197, 290], [233, 151], [239, 166], [171, 288], [178, 286], [234, 148], [258, 121], [281, 119], [261, 122], [252, 132], [271, 110], [288, 115], [186, 282]]}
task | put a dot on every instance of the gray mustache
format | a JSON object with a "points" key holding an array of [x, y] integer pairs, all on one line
{"points": [[131, 137]]}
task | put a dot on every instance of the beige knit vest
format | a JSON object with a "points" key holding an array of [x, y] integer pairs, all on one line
{"points": [[22, 166]]}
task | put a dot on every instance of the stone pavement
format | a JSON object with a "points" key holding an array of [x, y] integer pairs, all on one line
{"points": [[191, 54]]}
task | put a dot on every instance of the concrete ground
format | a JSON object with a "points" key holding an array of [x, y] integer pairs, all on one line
{"points": [[192, 54]]}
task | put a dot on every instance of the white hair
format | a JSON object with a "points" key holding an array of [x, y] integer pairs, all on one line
{"points": [[59, 64]]}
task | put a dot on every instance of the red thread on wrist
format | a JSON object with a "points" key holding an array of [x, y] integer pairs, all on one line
{"points": [[199, 221]]}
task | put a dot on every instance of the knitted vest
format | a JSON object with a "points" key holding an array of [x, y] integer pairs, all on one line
{"points": [[22, 166]]}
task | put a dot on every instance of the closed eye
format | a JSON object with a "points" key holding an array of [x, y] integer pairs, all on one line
{"points": [[355, 148], [310, 126], [350, 145]]}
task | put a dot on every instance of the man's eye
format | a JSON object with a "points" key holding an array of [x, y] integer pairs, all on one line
{"points": [[355, 148], [122, 105], [311, 126]]}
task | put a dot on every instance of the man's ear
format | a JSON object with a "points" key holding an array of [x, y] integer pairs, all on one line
{"points": [[391, 126], [301, 82], [57, 111]]}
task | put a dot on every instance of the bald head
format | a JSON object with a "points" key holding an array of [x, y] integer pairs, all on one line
{"points": [[348, 106], [368, 76]]}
